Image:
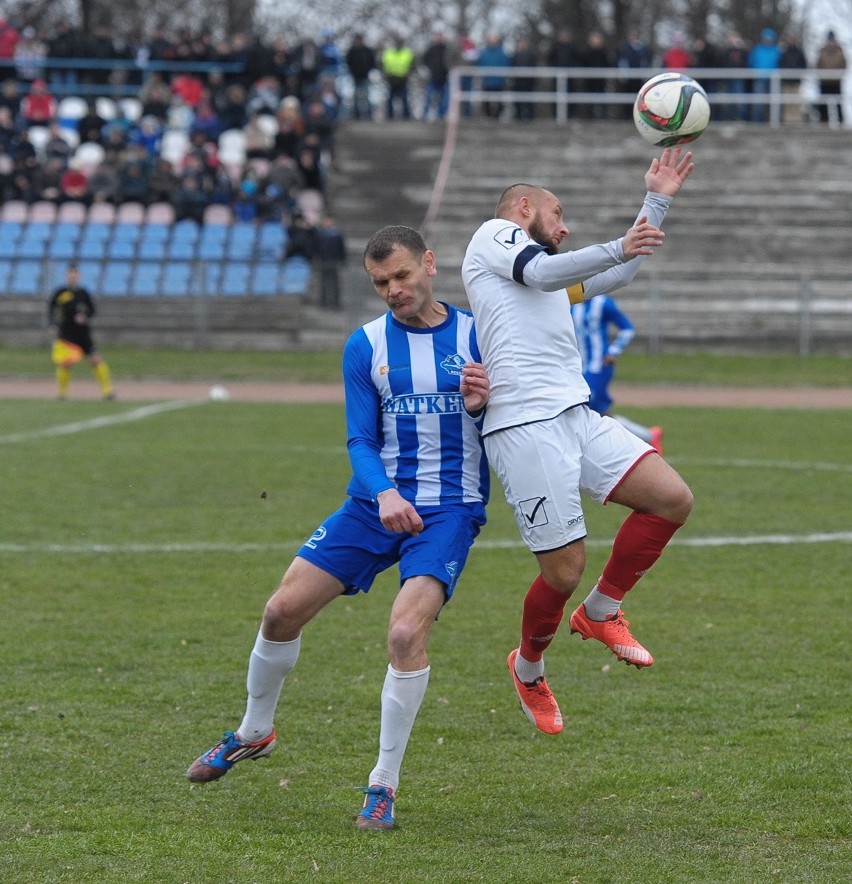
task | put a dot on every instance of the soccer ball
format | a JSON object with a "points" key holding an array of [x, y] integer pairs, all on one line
{"points": [[218, 393], [671, 109]]}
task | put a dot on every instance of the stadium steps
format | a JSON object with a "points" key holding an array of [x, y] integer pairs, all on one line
{"points": [[764, 204], [770, 204]]}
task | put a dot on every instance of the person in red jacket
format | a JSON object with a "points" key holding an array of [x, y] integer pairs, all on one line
{"points": [[38, 107], [677, 57]]}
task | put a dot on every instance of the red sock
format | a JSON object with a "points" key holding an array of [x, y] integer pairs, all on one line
{"points": [[543, 610], [639, 543]]}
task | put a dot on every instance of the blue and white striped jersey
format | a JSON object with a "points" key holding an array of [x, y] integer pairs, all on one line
{"points": [[592, 321], [406, 422]]}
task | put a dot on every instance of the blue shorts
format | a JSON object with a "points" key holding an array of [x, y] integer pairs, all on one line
{"points": [[599, 385], [353, 545]]}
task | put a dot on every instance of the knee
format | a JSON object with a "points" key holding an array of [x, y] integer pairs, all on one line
{"points": [[564, 577], [280, 621], [681, 504], [405, 639]]}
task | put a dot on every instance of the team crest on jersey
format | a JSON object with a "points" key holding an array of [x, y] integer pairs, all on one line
{"points": [[510, 236], [453, 364]]}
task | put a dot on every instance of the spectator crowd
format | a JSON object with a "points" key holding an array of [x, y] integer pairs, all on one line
{"points": [[251, 124]]}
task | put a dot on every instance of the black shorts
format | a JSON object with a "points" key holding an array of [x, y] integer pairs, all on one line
{"points": [[82, 338]]}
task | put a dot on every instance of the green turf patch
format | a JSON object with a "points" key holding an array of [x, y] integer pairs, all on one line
{"points": [[135, 561]]}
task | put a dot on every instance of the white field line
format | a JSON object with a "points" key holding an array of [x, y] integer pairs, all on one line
{"points": [[238, 548], [97, 423], [685, 460], [745, 463]]}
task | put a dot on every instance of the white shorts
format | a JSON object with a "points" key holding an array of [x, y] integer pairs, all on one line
{"points": [[544, 466]]}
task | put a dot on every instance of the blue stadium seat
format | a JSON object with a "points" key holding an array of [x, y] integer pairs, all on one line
{"points": [[271, 241], [33, 240], [265, 278], [90, 274], [67, 231], [93, 241], [121, 249], [62, 249], [185, 231], [26, 278], [126, 231], [181, 249], [10, 229], [5, 273], [177, 278], [145, 279], [296, 276], [10, 232], [97, 231], [210, 277], [235, 278], [211, 242], [55, 275], [115, 280], [241, 242], [152, 243]]}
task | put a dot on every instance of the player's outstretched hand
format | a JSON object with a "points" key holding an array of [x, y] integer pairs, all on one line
{"points": [[643, 238], [474, 386], [667, 173]]}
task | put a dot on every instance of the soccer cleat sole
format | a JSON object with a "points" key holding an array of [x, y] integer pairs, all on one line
{"points": [[621, 652], [618, 656]]}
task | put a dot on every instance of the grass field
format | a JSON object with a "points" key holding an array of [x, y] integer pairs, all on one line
{"points": [[131, 363], [135, 560]]}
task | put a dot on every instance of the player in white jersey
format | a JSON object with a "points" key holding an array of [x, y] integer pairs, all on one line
{"points": [[415, 392], [599, 351], [544, 442]]}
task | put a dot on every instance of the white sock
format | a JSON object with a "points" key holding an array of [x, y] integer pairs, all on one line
{"points": [[269, 664], [644, 433], [402, 695], [599, 606], [527, 671]]}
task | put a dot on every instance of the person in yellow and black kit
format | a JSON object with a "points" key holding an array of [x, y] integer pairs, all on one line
{"points": [[71, 308]]}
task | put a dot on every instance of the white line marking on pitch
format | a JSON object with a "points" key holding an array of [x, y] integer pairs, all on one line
{"points": [[744, 463], [160, 548], [97, 423]]}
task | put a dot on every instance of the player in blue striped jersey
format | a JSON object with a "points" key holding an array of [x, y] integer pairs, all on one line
{"points": [[415, 396], [593, 321]]}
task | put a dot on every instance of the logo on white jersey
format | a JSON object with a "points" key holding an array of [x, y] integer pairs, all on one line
{"points": [[509, 237]]}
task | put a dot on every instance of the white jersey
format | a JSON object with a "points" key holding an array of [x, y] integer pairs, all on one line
{"points": [[517, 293]]}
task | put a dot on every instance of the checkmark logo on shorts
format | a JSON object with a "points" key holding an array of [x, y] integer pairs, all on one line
{"points": [[533, 511]]}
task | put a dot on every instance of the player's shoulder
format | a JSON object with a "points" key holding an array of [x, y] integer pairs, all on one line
{"points": [[462, 316], [499, 234]]}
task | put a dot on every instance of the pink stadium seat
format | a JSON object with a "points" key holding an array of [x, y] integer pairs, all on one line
{"points": [[103, 213], [71, 211], [14, 210], [130, 213], [217, 214], [42, 210], [160, 213]]}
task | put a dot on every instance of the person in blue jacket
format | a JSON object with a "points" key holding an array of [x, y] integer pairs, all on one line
{"points": [[415, 393]]}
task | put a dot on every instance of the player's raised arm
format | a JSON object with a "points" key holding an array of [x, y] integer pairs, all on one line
{"points": [[667, 173]]}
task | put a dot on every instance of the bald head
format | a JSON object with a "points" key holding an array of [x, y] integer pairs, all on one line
{"points": [[510, 199], [537, 211]]}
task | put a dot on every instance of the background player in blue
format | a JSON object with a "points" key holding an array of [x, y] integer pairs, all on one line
{"points": [[415, 393], [593, 321]]}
